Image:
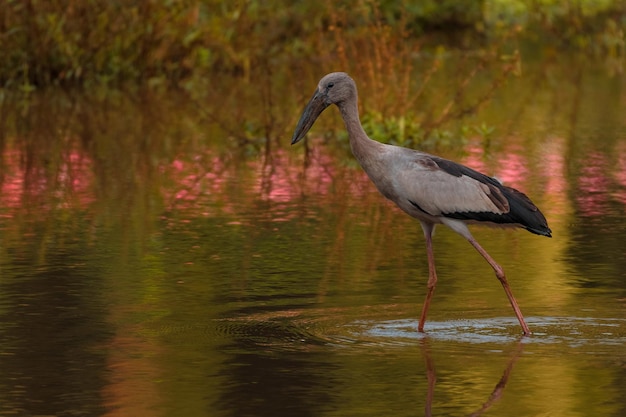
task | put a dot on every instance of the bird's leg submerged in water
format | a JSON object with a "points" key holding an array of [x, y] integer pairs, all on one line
{"points": [[432, 273], [502, 278]]}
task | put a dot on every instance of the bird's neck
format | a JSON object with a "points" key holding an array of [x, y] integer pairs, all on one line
{"points": [[362, 146]]}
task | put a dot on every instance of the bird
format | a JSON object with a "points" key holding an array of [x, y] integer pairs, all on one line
{"points": [[428, 188]]}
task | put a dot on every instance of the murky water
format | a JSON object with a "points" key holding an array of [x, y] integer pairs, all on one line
{"points": [[148, 268]]}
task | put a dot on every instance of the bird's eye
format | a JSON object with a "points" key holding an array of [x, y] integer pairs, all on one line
{"points": [[330, 85]]}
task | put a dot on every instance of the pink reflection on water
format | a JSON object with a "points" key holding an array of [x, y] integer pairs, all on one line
{"points": [[620, 173], [512, 168], [208, 183], [593, 185], [281, 180], [229, 187], [201, 174], [24, 184], [553, 168], [511, 165], [12, 187], [475, 158], [75, 178], [286, 180], [552, 172]]}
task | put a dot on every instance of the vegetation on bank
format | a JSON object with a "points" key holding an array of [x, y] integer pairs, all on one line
{"points": [[450, 56], [70, 42]]}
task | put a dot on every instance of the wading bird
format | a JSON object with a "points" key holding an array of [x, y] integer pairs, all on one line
{"points": [[429, 188]]}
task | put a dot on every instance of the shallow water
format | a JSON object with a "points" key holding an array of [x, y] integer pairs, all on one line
{"points": [[149, 269]]}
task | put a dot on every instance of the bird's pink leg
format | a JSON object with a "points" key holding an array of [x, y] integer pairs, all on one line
{"points": [[432, 274], [502, 278]]}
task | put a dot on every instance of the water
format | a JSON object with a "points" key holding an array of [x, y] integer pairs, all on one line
{"points": [[150, 268]]}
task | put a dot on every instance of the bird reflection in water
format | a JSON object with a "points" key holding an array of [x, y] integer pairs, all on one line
{"points": [[495, 395]]}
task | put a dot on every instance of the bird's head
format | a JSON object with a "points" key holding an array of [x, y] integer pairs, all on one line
{"points": [[334, 88]]}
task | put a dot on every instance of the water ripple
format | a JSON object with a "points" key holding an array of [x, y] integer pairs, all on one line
{"points": [[571, 331], [286, 332]]}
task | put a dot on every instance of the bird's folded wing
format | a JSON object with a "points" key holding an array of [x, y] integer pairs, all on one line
{"points": [[439, 192]]}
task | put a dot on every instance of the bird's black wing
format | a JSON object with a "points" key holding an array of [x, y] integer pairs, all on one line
{"points": [[521, 210]]}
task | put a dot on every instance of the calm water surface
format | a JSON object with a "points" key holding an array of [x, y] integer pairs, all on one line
{"points": [[148, 268]]}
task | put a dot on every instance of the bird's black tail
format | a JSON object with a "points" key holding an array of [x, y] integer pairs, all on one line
{"points": [[525, 213]]}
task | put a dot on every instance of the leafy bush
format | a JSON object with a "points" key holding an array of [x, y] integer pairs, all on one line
{"points": [[84, 42]]}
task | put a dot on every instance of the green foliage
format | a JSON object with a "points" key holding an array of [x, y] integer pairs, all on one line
{"points": [[403, 130], [421, 67], [594, 27], [76, 42], [155, 43]]}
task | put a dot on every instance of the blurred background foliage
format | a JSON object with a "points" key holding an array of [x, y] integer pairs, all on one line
{"points": [[422, 67], [82, 42]]}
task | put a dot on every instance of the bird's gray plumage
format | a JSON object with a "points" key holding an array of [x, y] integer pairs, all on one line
{"points": [[432, 189]]}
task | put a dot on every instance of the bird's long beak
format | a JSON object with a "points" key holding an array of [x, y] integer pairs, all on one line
{"points": [[311, 112]]}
